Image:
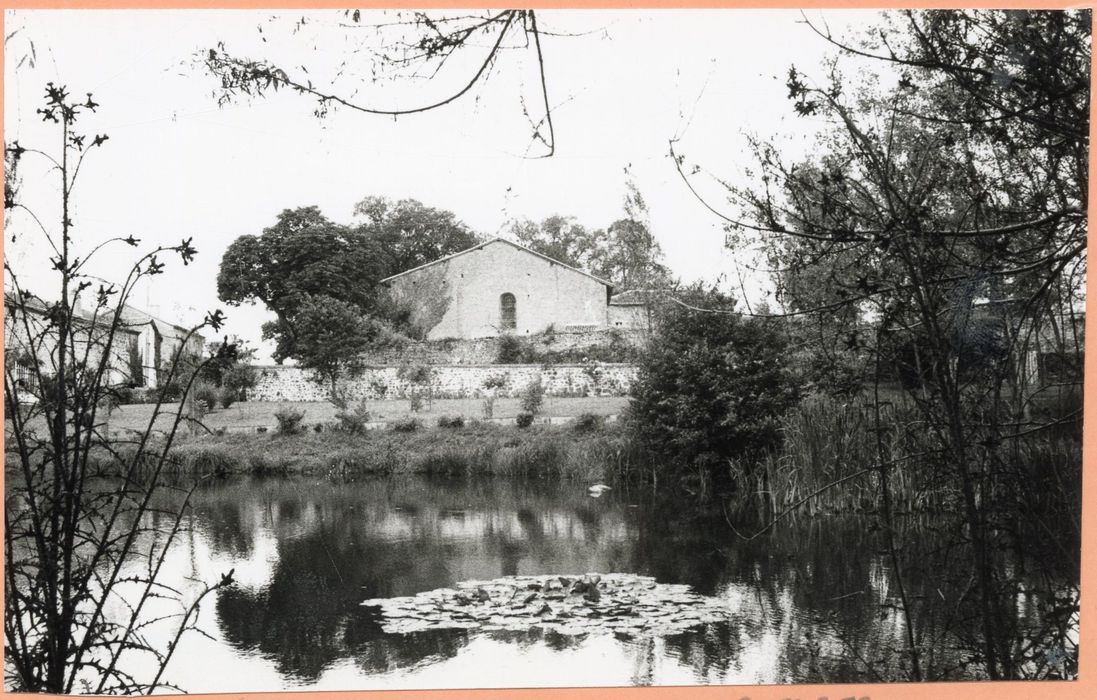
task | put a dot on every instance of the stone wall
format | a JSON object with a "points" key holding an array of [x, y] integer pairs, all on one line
{"points": [[452, 382], [545, 293], [483, 351]]}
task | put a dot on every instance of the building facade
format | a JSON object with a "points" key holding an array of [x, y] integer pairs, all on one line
{"points": [[139, 348], [497, 288]]}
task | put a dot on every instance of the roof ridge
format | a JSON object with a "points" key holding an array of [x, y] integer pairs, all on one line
{"points": [[497, 239]]}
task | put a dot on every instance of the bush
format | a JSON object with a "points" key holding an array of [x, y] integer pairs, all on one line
{"points": [[533, 396], [237, 379], [513, 350], [168, 393], [587, 422], [406, 425], [228, 398], [712, 387], [289, 421], [352, 420], [415, 402], [414, 374], [206, 393], [378, 387], [524, 420], [125, 395], [495, 381], [451, 421], [489, 406]]}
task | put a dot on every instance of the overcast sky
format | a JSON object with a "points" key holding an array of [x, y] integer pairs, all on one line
{"points": [[177, 165]]}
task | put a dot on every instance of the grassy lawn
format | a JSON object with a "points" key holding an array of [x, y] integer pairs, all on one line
{"points": [[255, 414]]}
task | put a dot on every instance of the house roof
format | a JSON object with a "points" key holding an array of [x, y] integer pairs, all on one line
{"points": [[492, 242], [130, 321], [132, 316], [633, 297]]}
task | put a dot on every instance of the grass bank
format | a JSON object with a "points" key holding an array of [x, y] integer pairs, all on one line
{"points": [[251, 415], [588, 452]]}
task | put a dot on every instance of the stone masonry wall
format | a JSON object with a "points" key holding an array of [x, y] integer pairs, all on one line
{"points": [[452, 381], [483, 351], [545, 292]]}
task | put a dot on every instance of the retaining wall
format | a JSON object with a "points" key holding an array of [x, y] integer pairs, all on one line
{"points": [[483, 351], [452, 382]]}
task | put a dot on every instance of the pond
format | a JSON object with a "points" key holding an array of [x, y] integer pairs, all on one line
{"points": [[809, 602]]}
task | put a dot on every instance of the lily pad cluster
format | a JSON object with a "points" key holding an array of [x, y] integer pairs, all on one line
{"points": [[571, 605]]}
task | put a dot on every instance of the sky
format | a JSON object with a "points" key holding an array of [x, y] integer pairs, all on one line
{"points": [[179, 165]]}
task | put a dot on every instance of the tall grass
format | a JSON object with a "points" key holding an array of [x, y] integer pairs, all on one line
{"points": [[828, 444], [476, 449]]}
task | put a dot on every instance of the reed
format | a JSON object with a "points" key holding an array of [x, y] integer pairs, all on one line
{"points": [[828, 445], [474, 449]]}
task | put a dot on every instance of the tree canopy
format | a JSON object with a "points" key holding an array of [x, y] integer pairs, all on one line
{"points": [[409, 233], [938, 227], [625, 254], [306, 267]]}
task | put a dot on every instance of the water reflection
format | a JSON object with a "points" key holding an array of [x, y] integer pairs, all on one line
{"points": [[810, 601]]}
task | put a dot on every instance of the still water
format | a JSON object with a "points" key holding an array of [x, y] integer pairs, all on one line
{"points": [[808, 602]]}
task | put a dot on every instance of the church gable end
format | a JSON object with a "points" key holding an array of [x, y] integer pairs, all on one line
{"points": [[499, 287]]}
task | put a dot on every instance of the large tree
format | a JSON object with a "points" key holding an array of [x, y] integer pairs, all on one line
{"points": [[409, 233], [626, 253], [943, 214], [711, 389], [562, 238], [306, 263], [302, 257]]}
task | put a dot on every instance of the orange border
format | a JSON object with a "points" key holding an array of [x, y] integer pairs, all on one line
{"points": [[1083, 689]]}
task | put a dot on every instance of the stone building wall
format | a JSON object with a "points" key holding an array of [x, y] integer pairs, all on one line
{"points": [[483, 351], [472, 283], [452, 381]]}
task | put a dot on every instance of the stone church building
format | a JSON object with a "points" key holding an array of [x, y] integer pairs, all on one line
{"points": [[500, 287]]}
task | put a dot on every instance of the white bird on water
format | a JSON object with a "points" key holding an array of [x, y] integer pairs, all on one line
{"points": [[597, 490]]}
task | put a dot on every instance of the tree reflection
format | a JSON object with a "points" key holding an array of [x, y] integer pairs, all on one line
{"points": [[816, 594]]}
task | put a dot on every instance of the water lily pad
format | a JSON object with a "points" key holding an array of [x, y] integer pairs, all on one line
{"points": [[571, 604]]}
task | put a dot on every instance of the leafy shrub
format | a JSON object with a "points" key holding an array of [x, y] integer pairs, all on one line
{"points": [[172, 383], [524, 420], [227, 397], [415, 402], [352, 420], [378, 387], [489, 406], [712, 387], [289, 421], [587, 422], [495, 381], [451, 421], [125, 395], [261, 429], [533, 396], [168, 393], [109, 402], [415, 374], [207, 394], [318, 428], [513, 350], [406, 425], [238, 379]]}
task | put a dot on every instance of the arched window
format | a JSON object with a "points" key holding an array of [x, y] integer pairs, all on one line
{"points": [[508, 312]]}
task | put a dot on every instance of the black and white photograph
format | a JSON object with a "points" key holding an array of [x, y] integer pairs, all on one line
{"points": [[366, 349]]}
